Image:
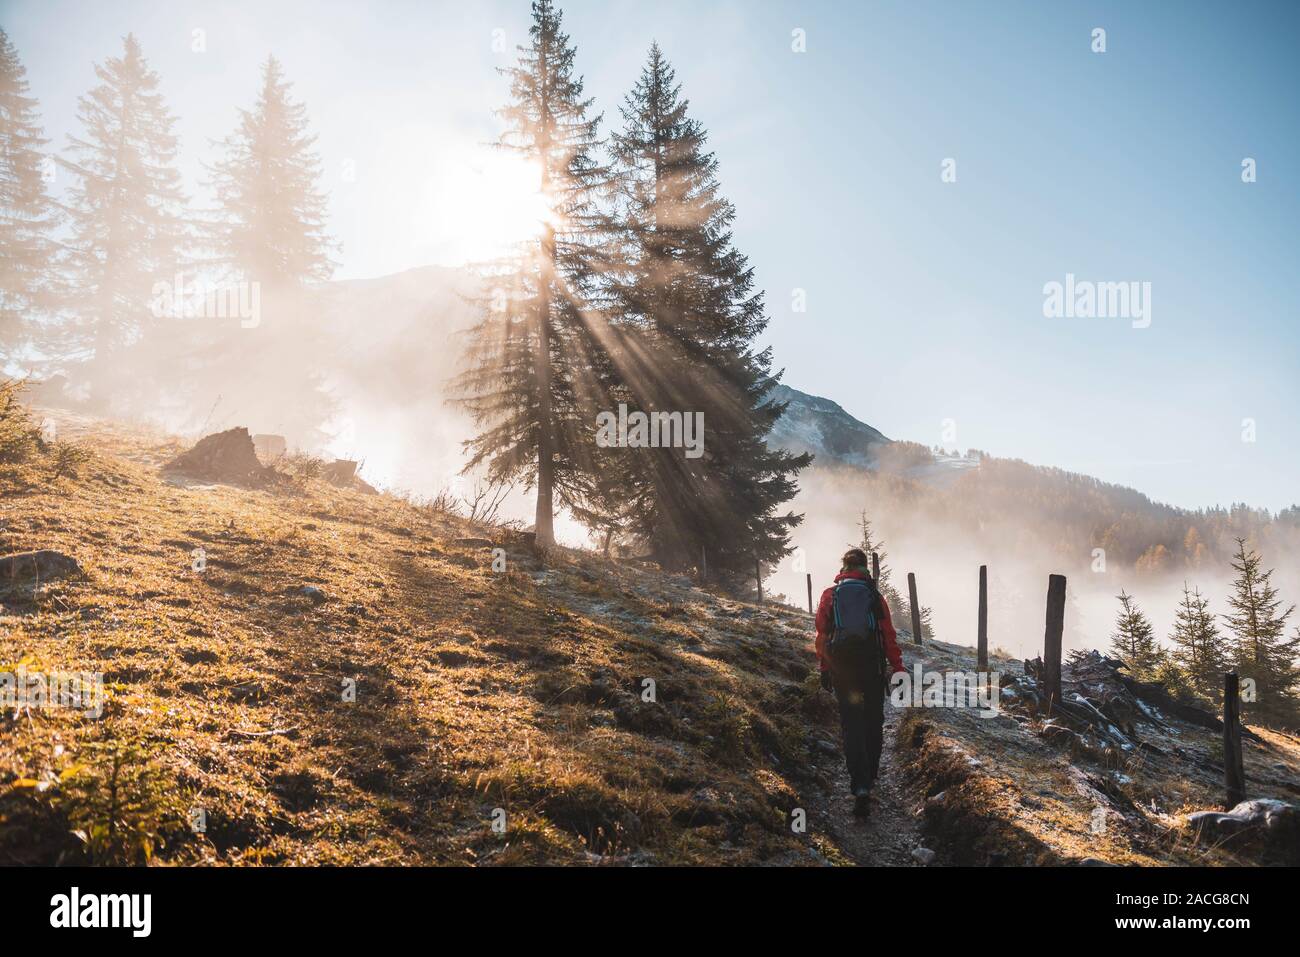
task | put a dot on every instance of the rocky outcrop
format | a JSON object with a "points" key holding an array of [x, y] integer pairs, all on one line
{"points": [[32, 567], [1269, 827], [342, 473], [223, 457]]}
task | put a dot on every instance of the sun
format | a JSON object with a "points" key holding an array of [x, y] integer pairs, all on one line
{"points": [[486, 202]]}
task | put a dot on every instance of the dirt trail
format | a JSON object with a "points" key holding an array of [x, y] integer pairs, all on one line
{"points": [[889, 835]]}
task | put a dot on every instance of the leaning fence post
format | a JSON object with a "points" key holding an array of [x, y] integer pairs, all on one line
{"points": [[758, 577], [1052, 640], [916, 608], [1234, 774], [810, 607], [982, 632]]}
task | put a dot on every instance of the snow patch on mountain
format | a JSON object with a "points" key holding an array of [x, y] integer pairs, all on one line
{"points": [[822, 427]]}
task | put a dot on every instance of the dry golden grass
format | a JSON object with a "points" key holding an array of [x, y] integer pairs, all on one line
{"points": [[474, 690]]}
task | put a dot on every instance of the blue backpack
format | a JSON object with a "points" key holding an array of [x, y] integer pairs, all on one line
{"points": [[855, 603]]}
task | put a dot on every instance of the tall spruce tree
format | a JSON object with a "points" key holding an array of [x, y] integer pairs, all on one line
{"points": [[27, 214], [538, 357], [270, 223], [1134, 639], [126, 205], [1263, 651], [688, 315], [1198, 646], [266, 258]]}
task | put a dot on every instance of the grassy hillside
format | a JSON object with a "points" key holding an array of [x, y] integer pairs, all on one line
{"points": [[522, 689], [474, 689]]}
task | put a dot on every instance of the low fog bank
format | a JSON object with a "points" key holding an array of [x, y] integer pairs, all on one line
{"points": [[943, 537], [357, 370]]}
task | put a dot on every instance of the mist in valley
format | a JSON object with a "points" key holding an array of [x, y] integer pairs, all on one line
{"points": [[935, 533]]}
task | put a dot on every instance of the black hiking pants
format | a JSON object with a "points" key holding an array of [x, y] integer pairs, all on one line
{"points": [[860, 690]]}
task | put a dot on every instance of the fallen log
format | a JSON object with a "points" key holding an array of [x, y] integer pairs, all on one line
{"points": [[1156, 695]]}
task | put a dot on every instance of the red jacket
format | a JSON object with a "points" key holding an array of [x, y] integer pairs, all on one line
{"points": [[826, 626]]}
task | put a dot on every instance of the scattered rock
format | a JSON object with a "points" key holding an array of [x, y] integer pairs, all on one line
{"points": [[314, 594], [1274, 815], [644, 718], [452, 658], [248, 691], [637, 858], [38, 566], [1272, 826], [824, 746], [923, 856], [342, 473]]}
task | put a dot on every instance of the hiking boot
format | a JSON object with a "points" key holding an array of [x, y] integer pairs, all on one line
{"points": [[862, 803]]}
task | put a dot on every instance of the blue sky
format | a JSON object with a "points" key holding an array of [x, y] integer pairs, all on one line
{"points": [[924, 298]]}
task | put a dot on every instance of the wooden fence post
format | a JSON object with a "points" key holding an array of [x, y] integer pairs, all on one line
{"points": [[916, 608], [1234, 774], [758, 577], [982, 632], [875, 568], [1052, 640], [810, 605]]}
